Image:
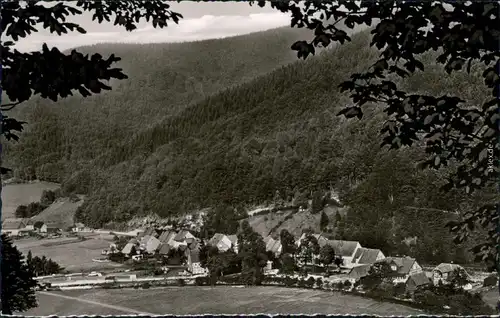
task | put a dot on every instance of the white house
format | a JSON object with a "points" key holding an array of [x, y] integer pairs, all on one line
{"points": [[15, 226], [221, 241], [193, 260]]}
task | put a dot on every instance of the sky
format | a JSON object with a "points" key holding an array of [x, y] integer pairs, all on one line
{"points": [[202, 20]]}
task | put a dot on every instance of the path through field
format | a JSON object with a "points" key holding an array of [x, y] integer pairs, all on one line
{"points": [[210, 300], [95, 303]]}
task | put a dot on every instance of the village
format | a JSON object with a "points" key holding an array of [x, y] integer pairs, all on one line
{"points": [[170, 253]]}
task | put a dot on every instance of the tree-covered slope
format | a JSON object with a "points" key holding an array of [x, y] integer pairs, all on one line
{"points": [[163, 80]]}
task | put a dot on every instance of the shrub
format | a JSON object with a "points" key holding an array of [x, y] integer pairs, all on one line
{"points": [[146, 285], [310, 282], [200, 281], [491, 280], [319, 282], [181, 282], [347, 284], [302, 283]]}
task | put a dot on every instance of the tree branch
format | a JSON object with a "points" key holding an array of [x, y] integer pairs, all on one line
{"points": [[10, 106]]}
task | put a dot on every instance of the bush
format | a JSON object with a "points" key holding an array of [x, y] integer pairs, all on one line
{"points": [[145, 285], [319, 282], [302, 283], [181, 282], [491, 280], [347, 284], [310, 282], [201, 281]]}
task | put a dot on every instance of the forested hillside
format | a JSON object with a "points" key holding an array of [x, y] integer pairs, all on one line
{"points": [[149, 146], [163, 80]]}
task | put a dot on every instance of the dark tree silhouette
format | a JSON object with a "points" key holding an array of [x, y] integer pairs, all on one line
{"points": [[18, 285]]}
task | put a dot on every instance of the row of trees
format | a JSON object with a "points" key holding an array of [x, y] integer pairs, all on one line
{"points": [[42, 266]]}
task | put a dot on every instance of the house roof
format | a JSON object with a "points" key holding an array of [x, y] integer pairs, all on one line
{"points": [[216, 239], [366, 255], [164, 249], [166, 236], [447, 268], [360, 271], [343, 248], [127, 248], [181, 235], [13, 224], [404, 264], [322, 241], [420, 279], [233, 238], [276, 247], [79, 225], [195, 256]]}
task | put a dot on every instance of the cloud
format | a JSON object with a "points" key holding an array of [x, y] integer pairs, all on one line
{"points": [[204, 27]]}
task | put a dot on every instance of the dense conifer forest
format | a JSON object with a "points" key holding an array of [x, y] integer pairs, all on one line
{"points": [[233, 121]]}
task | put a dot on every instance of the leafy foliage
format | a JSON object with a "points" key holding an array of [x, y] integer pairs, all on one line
{"points": [[252, 252], [18, 285], [42, 266]]}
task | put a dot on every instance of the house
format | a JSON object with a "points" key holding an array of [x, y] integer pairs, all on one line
{"points": [[53, 228], [41, 227], [273, 245], [319, 237], [417, 281], [14, 226], [164, 249], [128, 248], [221, 241], [367, 256], [359, 271], [346, 249], [183, 235], [149, 244], [79, 227], [402, 267], [443, 271], [167, 236], [193, 260]]}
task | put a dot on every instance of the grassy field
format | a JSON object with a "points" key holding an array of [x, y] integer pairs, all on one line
{"points": [[14, 195], [61, 212], [211, 300], [74, 255]]}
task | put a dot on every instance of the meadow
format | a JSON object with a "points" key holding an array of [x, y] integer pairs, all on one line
{"points": [[73, 254], [211, 300]]}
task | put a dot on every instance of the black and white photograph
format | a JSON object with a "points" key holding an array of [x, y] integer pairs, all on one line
{"points": [[249, 157]]}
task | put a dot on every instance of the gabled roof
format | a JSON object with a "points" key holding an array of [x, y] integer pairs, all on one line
{"points": [[359, 271], [182, 235], [343, 248], [366, 255], [79, 225], [195, 256], [166, 236], [127, 248], [233, 238], [216, 239], [404, 264], [164, 249], [420, 279], [447, 268], [13, 224]]}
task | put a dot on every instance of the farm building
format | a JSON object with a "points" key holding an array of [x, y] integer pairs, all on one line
{"points": [[149, 244], [221, 241], [442, 273], [417, 281], [273, 245], [367, 256], [17, 226], [402, 267]]}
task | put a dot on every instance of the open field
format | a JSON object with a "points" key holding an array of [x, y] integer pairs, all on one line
{"points": [[61, 212], [71, 253], [14, 195], [213, 300], [491, 297]]}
